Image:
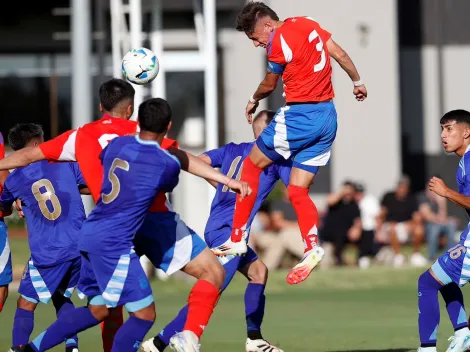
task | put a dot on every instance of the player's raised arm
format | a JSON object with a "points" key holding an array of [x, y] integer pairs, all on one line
{"points": [[196, 166], [343, 59]]}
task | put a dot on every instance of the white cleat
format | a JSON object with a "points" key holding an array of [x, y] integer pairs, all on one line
{"points": [[148, 346], [459, 343], [302, 270], [185, 341], [231, 248], [260, 345]]}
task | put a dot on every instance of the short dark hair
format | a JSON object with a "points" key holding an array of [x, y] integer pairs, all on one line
{"points": [[22, 133], [251, 13], [459, 116], [154, 115], [115, 91], [268, 114]]}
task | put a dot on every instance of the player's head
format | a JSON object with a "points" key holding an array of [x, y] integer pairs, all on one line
{"points": [[155, 116], [261, 121], [25, 135], [257, 20], [117, 98], [455, 135]]}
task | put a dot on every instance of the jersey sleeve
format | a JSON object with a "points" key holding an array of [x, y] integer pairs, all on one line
{"points": [[279, 54], [2, 146], [60, 148], [78, 174], [217, 155]]}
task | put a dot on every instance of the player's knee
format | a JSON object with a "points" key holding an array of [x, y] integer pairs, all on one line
{"points": [[258, 272], [22, 303]]}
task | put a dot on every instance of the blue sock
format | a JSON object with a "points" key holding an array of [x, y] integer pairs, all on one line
{"points": [[68, 324], [63, 307], [452, 295], [175, 326], [130, 335], [255, 301], [23, 326], [428, 307]]}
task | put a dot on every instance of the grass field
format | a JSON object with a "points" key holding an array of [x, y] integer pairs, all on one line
{"points": [[337, 310]]}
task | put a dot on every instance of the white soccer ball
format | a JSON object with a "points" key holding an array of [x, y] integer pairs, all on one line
{"points": [[140, 66]]}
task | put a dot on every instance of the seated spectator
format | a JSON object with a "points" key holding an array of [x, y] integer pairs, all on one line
{"points": [[284, 235], [369, 207], [402, 223], [433, 208], [342, 223]]}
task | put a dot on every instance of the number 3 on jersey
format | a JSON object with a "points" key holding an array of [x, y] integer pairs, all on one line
{"points": [[319, 47], [115, 183]]}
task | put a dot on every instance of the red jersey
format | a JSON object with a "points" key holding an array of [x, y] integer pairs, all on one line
{"points": [[297, 50], [85, 144]]}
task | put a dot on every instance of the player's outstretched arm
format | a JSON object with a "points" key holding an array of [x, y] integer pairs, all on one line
{"points": [[206, 158], [22, 157], [196, 166], [343, 59]]}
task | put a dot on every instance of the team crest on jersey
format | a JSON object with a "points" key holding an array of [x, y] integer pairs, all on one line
{"points": [[25, 271]]}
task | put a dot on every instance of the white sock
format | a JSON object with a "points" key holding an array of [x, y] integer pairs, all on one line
{"points": [[462, 332], [428, 349]]}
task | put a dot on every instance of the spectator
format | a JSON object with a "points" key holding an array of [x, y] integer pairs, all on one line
{"points": [[284, 237], [433, 209], [342, 222], [402, 222], [369, 207]]}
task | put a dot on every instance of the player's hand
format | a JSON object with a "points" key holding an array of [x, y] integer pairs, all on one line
{"points": [[360, 92], [239, 187], [438, 186], [250, 110]]}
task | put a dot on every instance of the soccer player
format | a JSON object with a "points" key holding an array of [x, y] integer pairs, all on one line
{"points": [[5, 255], [163, 245], [303, 130], [229, 158], [136, 169], [54, 215], [452, 269]]}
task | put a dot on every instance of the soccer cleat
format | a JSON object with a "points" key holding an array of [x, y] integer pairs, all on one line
{"points": [[260, 345], [185, 341], [302, 270], [459, 344], [149, 346], [231, 248]]}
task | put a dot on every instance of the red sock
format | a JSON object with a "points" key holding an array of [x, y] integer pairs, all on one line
{"points": [[307, 215], [110, 326], [250, 174], [201, 302]]}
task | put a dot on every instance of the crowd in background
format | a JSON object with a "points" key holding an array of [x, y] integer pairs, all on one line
{"points": [[357, 228]]}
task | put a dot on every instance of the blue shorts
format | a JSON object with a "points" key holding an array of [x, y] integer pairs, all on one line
{"points": [[167, 242], [454, 265], [115, 281], [39, 284], [5, 256], [230, 263], [302, 132]]}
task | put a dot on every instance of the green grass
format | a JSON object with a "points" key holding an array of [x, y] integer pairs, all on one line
{"points": [[337, 310]]}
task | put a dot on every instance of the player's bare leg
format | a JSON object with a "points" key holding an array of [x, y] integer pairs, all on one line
{"points": [[252, 168], [3, 296], [201, 301], [307, 216], [257, 274]]}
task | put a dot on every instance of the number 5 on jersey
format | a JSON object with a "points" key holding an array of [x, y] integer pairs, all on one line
{"points": [[115, 183]]}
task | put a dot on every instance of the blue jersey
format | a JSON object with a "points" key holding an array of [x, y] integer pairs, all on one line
{"points": [[463, 175], [134, 171], [229, 159], [52, 206]]}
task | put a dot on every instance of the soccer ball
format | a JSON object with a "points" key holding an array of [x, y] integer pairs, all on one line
{"points": [[140, 66]]}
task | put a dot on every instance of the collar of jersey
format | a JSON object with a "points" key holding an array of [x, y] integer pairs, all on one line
{"points": [[141, 141]]}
